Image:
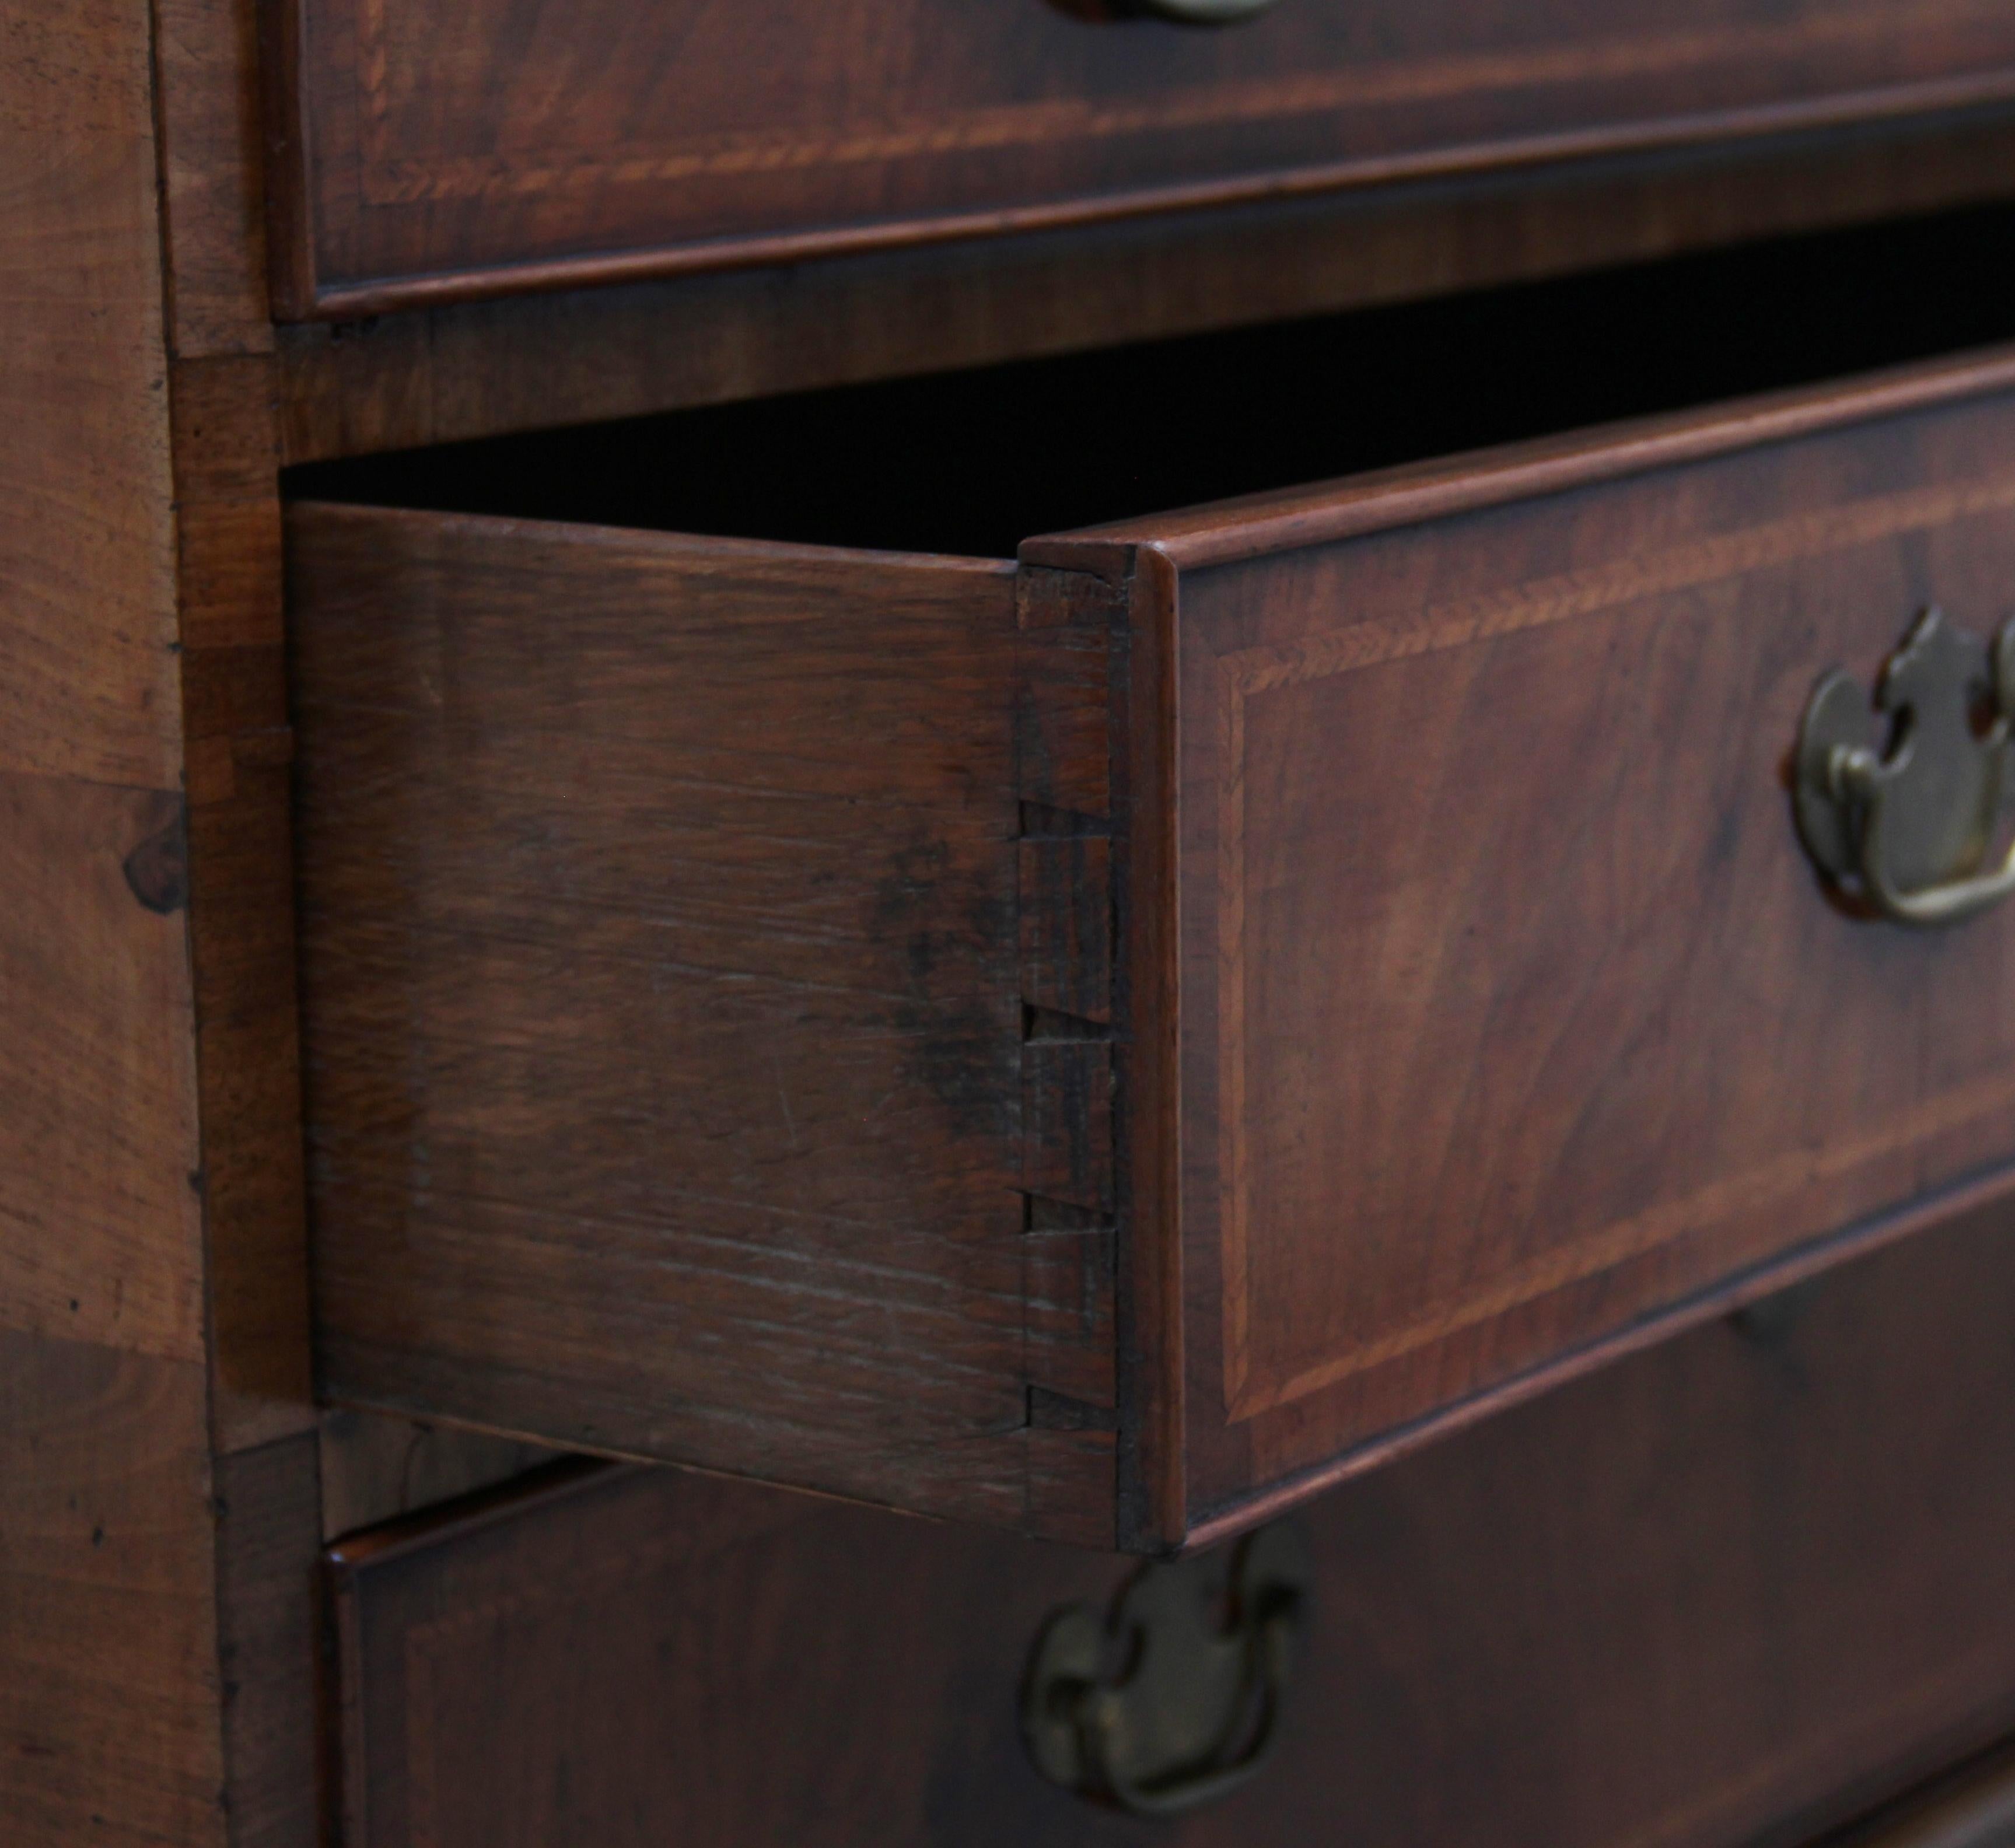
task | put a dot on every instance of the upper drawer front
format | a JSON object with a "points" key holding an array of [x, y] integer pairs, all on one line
{"points": [[474, 145], [1509, 1010]]}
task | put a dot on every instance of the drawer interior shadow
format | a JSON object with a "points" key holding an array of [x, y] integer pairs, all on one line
{"points": [[972, 463]]}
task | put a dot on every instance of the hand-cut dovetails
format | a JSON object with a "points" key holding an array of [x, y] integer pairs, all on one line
{"points": [[1068, 1260], [1066, 883], [1048, 598], [1064, 877], [1069, 1349]]}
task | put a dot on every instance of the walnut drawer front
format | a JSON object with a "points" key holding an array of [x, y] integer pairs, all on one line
{"points": [[1481, 1002], [433, 151], [1108, 1042], [1734, 1590]]}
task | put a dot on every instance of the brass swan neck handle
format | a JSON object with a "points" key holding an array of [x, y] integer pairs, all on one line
{"points": [[1181, 13], [1204, 12], [1175, 1698], [1908, 830]]}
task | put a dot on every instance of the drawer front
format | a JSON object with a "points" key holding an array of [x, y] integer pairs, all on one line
{"points": [[1733, 1590], [1502, 1007], [438, 150]]}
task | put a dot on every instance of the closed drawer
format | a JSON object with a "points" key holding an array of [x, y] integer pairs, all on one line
{"points": [[433, 151], [1734, 1590], [1108, 1043]]}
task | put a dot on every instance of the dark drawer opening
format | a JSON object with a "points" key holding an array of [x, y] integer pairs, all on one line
{"points": [[972, 463]]}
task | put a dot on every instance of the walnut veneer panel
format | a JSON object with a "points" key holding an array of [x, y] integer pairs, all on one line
{"points": [[1484, 1003], [451, 148]]}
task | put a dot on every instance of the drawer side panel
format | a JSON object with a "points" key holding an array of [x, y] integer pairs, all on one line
{"points": [[661, 994]]}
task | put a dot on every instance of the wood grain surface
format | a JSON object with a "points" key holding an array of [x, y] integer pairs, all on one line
{"points": [[155, 1548], [269, 1643], [111, 1701], [430, 153], [213, 178], [89, 684], [239, 875], [1497, 946], [100, 1227], [108, 1575], [1735, 1589], [662, 1028], [161, 1495], [236, 752]]}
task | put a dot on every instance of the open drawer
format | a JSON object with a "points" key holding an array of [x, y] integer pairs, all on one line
{"points": [[1109, 1042]]}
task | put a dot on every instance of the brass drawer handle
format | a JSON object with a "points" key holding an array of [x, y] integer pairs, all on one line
{"points": [[1909, 831], [1175, 1699], [1183, 13], [1205, 12]]}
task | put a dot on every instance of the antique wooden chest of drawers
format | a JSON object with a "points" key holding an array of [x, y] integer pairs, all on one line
{"points": [[1221, 789]]}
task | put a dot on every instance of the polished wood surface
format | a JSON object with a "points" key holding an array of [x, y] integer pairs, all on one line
{"points": [[1491, 940], [235, 753], [1733, 1590], [432, 152], [661, 1006]]}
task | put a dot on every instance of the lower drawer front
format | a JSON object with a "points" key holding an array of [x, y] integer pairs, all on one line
{"points": [[1107, 1043], [1733, 1590]]}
